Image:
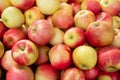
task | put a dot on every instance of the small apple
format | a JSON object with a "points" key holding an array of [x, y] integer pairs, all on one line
{"points": [[99, 34], [25, 52], [74, 37], [116, 22], [20, 73], [73, 73], [2, 49], [33, 14], [46, 72], [60, 56], [12, 17], [11, 36], [83, 18], [51, 7], [84, 57], [40, 32], [58, 36]]}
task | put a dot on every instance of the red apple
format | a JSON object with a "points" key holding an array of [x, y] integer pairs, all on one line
{"points": [[76, 7], [40, 32], [74, 37], [99, 34], [46, 72], [11, 36], [23, 4], [73, 73], [20, 73], [60, 56], [25, 52], [109, 59]]}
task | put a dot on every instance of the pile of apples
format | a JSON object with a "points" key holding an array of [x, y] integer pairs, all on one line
{"points": [[59, 39]]}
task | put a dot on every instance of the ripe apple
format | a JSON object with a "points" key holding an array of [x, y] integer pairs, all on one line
{"points": [[74, 37], [108, 76], [111, 63], [11, 36], [7, 61], [12, 17], [77, 1], [73, 73], [51, 7], [110, 6], [84, 57], [25, 52], [23, 4], [33, 14], [40, 32], [116, 22], [60, 56], [89, 5], [58, 36], [49, 19], [2, 49], [76, 7], [43, 55], [62, 19], [46, 72], [20, 73], [83, 18], [99, 34]]}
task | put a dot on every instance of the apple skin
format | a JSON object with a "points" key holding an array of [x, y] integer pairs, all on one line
{"points": [[111, 63], [7, 61], [10, 37], [46, 72], [20, 73], [108, 76], [83, 18], [36, 30], [22, 4], [12, 17], [99, 34], [76, 1], [76, 7], [89, 5], [25, 52], [50, 8], [60, 56], [73, 73], [110, 6], [74, 37], [84, 57], [116, 22], [33, 14], [2, 49]]}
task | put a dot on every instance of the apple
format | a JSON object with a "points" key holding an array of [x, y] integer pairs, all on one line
{"points": [[4, 4], [111, 63], [73, 73], [106, 17], [64, 1], [116, 22], [62, 19], [92, 74], [89, 5], [23, 4], [7, 61], [84, 57], [74, 37], [3, 29], [49, 19], [99, 34], [60, 56], [110, 6], [25, 52], [46, 72], [76, 7], [58, 36], [83, 18], [50, 8], [12, 17], [24, 29], [2, 49], [33, 14], [20, 73], [43, 55], [108, 76], [77, 1], [40, 32], [11, 36]]}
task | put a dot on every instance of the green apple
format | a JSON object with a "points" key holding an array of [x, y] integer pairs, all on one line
{"points": [[12, 17], [84, 57]]}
